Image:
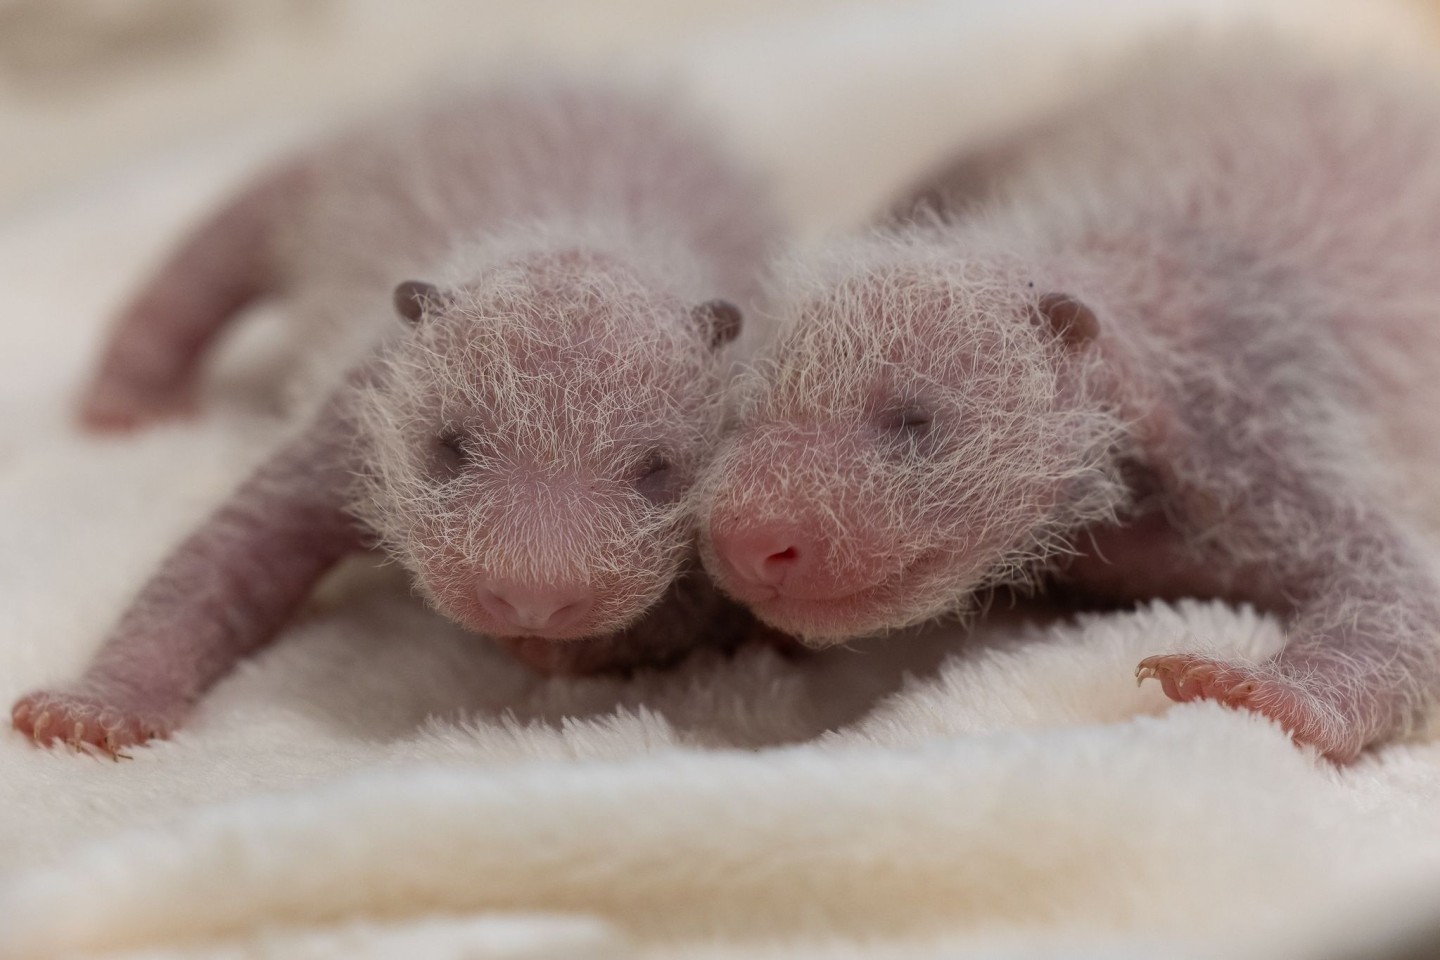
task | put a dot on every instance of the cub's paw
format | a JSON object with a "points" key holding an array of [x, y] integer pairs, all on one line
{"points": [[1308, 717], [79, 719]]}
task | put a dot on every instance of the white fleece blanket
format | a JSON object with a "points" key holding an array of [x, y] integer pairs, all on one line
{"points": [[379, 784]]}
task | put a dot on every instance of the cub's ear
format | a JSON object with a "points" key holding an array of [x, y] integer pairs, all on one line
{"points": [[1070, 319], [720, 320], [414, 297]]}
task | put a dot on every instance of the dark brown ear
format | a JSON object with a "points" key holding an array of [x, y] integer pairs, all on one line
{"points": [[413, 297], [1073, 322], [720, 318]]}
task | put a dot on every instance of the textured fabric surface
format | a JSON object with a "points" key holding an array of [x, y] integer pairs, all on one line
{"points": [[379, 784]]}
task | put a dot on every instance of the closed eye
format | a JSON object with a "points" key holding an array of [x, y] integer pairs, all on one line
{"points": [[908, 419], [907, 431], [915, 420], [656, 478], [452, 451]]}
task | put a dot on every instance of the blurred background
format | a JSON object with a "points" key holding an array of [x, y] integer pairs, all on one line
{"points": [[123, 120], [85, 83], [89, 84]]}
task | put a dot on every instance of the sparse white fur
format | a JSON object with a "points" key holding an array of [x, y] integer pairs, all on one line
{"points": [[568, 376], [573, 228], [1020, 415], [1257, 235], [570, 258]]}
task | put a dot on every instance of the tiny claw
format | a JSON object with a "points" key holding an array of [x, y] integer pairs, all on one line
{"points": [[1143, 673], [1243, 689], [79, 731], [41, 722]]}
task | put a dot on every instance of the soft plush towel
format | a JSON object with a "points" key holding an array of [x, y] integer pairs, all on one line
{"points": [[380, 784]]}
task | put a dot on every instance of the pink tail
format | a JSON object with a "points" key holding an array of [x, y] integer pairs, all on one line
{"points": [[151, 364]]}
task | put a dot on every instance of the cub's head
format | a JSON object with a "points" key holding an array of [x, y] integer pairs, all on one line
{"points": [[529, 444], [926, 423]]}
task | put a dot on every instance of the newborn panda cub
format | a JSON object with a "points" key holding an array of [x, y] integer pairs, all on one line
{"points": [[1184, 342], [524, 443]]}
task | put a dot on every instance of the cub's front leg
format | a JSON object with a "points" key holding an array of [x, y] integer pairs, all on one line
{"points": [[1361, 661], [1293, 521], [223, 594]]}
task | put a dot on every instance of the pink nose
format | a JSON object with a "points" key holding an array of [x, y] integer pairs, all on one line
{"points": [[535, 608], [768, 558]]}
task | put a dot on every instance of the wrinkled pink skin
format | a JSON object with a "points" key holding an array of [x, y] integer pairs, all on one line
{"points": [[1250, 467], [229, 588]]}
